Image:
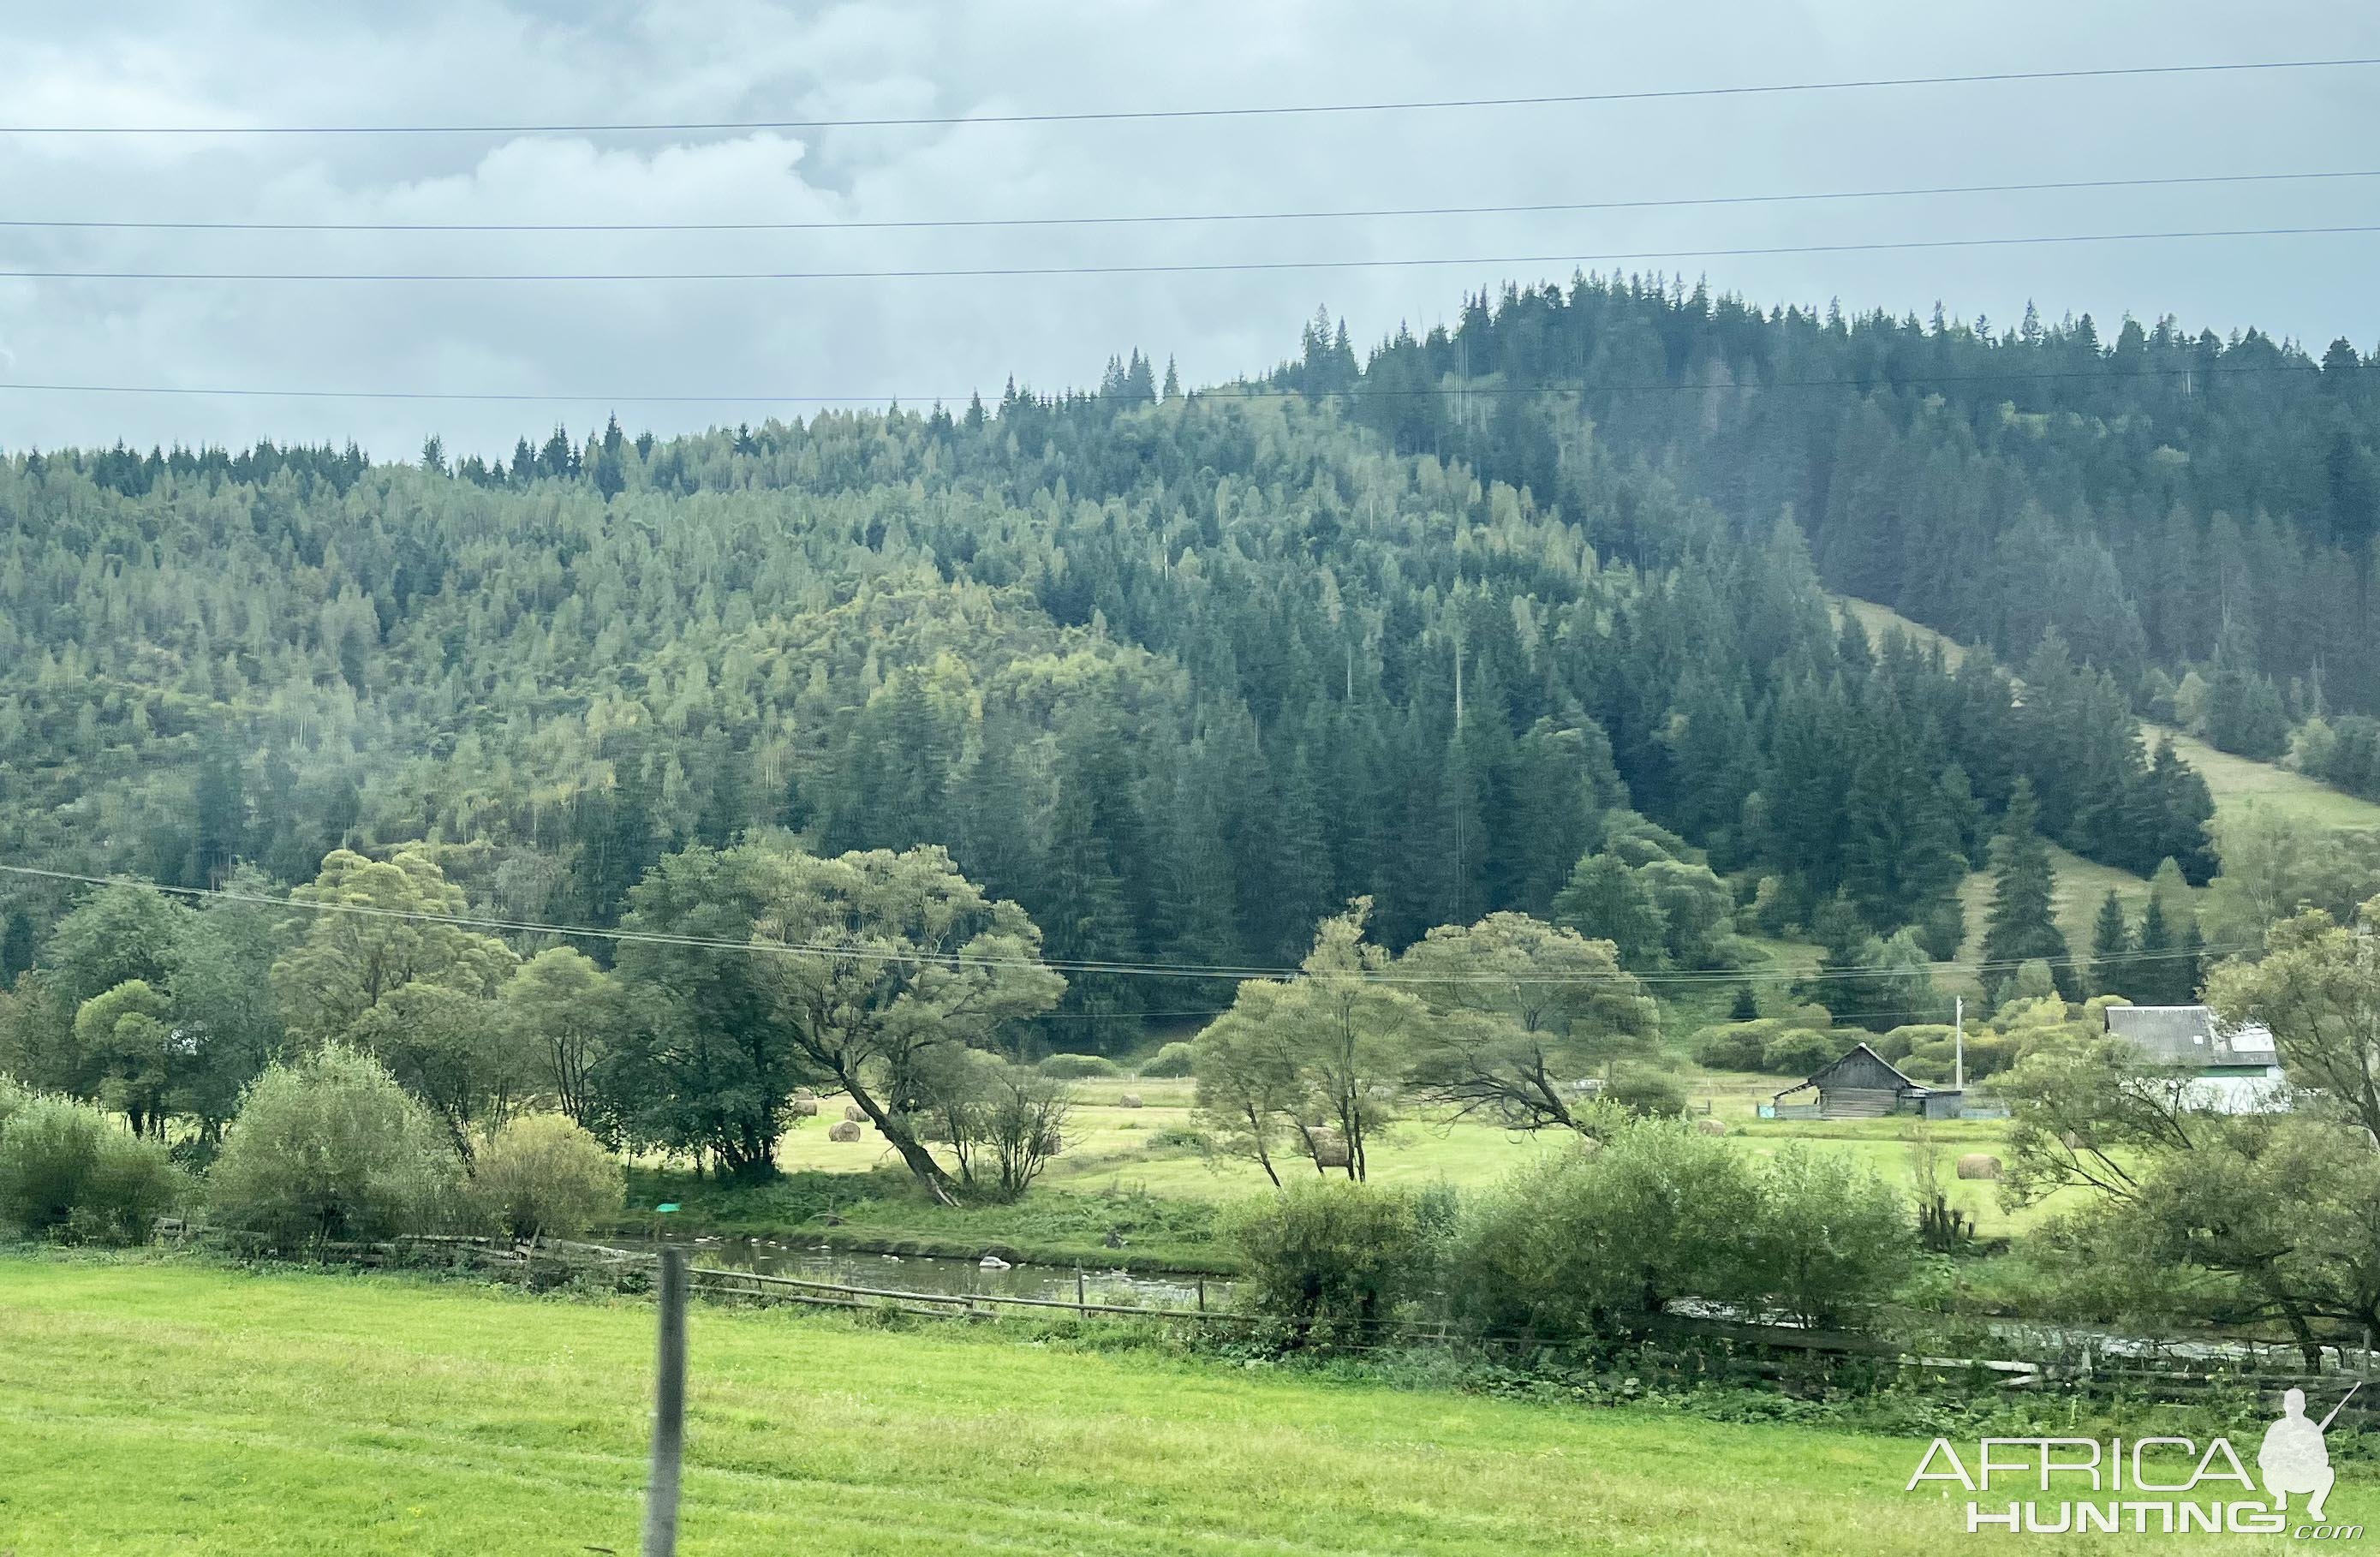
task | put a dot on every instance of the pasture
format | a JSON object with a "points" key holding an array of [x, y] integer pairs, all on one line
{"points": [[1147, 1150], [151, 1406]]}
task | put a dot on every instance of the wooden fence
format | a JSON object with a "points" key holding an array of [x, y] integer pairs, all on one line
{"points": [[1751, 1352]]}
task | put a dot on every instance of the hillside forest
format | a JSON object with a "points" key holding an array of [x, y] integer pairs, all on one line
{"points": [[1528, 615]]}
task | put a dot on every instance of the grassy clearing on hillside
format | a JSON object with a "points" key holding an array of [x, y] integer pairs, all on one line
{"points": [[2241, 783], [2237, 783], [2081, 886], [155, 1407]]}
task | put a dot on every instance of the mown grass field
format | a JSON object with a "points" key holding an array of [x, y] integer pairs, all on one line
{"points": [[1142, 1150], [163, 1407]]}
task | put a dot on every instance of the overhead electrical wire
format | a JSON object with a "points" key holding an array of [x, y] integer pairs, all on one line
{"points": [[1346, 214], [1121, 115], [1190, 267], [844, 952], [2113, 371]]}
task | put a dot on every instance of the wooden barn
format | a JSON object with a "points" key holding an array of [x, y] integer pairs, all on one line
{"points": [[1864, 1084]]}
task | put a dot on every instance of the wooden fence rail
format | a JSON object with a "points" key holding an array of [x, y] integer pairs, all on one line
{"points": [[1764, 1350]]}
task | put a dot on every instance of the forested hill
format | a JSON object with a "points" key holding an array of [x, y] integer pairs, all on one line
{"points": [[1179, 674], [2163, 500]]}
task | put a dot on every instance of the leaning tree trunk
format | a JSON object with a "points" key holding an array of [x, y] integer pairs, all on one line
{"points": [[895, 1129]]}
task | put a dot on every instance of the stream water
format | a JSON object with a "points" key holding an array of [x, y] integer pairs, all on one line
{"points": [[927, 1273]]}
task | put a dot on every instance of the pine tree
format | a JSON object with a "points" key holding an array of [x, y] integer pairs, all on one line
{"points": [[219, 814], [17, 943], [2022, 924], [2190, 968], [2111, 939], [2159, 972], [1841, 983]]}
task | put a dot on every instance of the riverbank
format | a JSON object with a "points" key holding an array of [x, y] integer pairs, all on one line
{"points": [[882, 1213]]}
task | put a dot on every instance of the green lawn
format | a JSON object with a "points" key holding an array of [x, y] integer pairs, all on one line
{"points": [[156, 1407]]}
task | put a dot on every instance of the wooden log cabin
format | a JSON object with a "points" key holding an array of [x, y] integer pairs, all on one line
{"points": [[1864, 1084]]}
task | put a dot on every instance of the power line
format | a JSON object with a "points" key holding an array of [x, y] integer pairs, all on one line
{"points": [[2112, 373], [840, 952], [1191, 267], [1120, 115], [1352, 213]]}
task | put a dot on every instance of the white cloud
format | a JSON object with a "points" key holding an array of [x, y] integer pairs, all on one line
{"points": [[278, 63]]}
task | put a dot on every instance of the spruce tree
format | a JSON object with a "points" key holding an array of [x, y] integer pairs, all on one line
{"points": [[16, 948], [1842, 983], [2111, 939], [2022, 924], [2157, 973]]}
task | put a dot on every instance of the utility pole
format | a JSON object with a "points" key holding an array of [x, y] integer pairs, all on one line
{"points": [[669, 1411], [1959, 1042]]}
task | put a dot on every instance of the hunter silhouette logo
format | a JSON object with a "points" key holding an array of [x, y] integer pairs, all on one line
{"points": [[2296, 1456], [2080, 1484]]}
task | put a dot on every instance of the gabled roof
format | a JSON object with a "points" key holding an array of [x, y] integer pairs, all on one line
{"points": [[2191, 1035], [1860, 1055]]}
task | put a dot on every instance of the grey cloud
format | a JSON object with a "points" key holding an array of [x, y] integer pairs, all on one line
{"points": [[267, 63]]}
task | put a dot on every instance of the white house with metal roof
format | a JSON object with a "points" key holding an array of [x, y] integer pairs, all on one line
{"points": [[2238, 1065]]}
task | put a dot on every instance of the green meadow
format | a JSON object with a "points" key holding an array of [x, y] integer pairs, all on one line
{"points": [[149, 1406]]}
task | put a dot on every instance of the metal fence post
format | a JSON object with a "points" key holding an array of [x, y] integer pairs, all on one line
{"points": [[669, 1411]]}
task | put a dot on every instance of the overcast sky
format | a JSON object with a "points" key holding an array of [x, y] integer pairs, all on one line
{"points": [[265, 63]]}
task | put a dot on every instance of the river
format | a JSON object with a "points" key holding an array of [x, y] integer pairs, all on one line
{"points": [[928, 1274]]}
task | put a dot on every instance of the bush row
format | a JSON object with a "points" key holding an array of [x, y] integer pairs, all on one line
{"points": [[69, 1171], [1586, 1243], [329, 1147]]}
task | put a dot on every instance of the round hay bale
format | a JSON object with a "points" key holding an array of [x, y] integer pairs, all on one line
{"points": [[1979, 1164], [1329, 1147], [2072, 1140], [804, 1095], [1052, 1144], [1711, 1126], [851, 1112], [843, 1129], [805, 1108], [1130, 1099]]}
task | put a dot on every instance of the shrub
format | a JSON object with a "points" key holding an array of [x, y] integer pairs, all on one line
{"points": [[1901, 1043], [133, 1183], [1988, 1054], [1079, 1067], [1578, 1244], [331, 1147], [1829, 1236], [1329, 1257], [543, 1173], [1734, 1045], [68, 1169], [1646, 1092], [1799, 1050], [1576, 1241], [1171, 1062]]}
